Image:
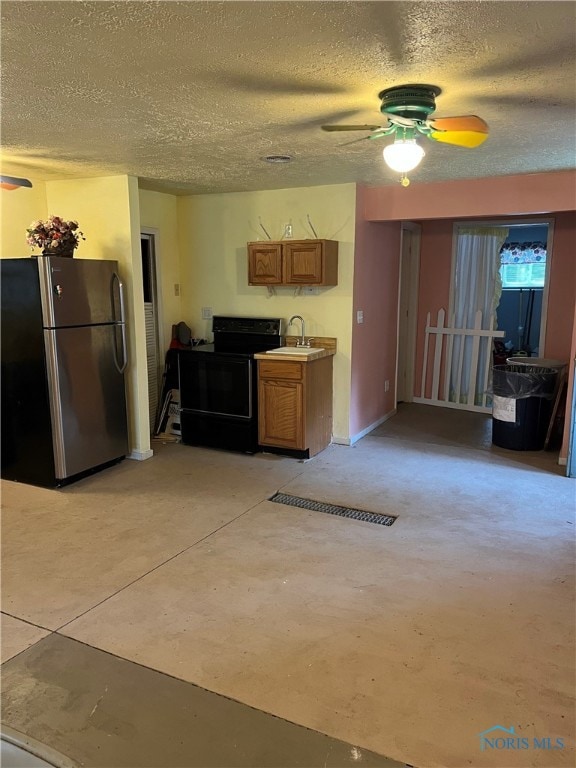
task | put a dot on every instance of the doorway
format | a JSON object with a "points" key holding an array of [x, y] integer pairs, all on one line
{"points": [[500, 278], [152, 322], [457, 351], [523, 270]]}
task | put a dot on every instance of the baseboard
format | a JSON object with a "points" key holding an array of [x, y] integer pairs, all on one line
{"points": [[358, 436], [141, 455]]}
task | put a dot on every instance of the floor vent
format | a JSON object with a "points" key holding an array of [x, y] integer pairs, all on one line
{"points": [[332, 509]]}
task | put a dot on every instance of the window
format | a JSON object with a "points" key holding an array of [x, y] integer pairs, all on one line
{"points": [[523, 265]]}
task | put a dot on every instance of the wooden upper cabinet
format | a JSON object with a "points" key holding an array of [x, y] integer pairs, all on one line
{"points": [[311, 262], [265, 263], [293, 262]]}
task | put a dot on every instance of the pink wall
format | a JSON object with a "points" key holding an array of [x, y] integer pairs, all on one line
{"points": [[433, 285], [374, 342], [570, 418], [525, 195], [562, 293], [502, 195]]}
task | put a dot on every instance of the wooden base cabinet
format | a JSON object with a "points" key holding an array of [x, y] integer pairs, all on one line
{"points": [[295, 405], [293, 262]]}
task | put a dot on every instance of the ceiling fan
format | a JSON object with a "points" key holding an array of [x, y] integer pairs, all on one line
{"points": [[13, 182], [407, 110]]}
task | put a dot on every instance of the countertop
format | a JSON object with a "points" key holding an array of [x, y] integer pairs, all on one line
{"points": [[326, 348]]}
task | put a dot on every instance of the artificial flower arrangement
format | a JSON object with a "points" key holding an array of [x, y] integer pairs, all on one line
{"points": [[54, 235]]}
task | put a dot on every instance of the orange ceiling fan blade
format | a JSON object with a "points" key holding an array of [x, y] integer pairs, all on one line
{"points": [[469, 139], [465, 131], [462, 123], [13, 182]]}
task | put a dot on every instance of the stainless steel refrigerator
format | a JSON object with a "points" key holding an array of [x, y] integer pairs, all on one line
{"points": [[63, 362]]}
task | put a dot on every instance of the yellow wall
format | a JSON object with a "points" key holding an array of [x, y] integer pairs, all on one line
{"points": [[201, 245], [20, 207], [159, 214], [214, 230], [107, 210]]}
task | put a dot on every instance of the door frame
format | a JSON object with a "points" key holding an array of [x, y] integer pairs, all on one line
{"points": [[408, 278], [511, 223], [571, 456], [152, 234]]}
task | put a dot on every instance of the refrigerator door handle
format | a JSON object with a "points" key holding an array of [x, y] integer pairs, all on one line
{"points": [[54, 389], [120, 366]]}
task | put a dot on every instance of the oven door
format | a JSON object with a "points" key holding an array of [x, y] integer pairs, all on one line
{"points": [[216, 383]]}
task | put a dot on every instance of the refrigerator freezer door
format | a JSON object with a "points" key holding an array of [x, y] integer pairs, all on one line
{"points": [[78, 291], [88, 402]]}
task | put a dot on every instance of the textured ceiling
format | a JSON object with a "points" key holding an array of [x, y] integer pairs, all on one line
{"points": [[189, 96]]}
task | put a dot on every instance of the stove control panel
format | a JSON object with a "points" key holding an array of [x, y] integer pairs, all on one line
{"points": [[249, 325]]}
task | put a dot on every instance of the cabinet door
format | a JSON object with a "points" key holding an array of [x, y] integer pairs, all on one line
{"points": [[264, 263], [303, 263], [281, 414]]}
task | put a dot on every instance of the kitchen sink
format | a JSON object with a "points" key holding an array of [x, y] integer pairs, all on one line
{"points": [[295, 350]]}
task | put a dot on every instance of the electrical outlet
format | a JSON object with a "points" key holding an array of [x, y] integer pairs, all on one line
{"points": [[206, 313], [359, 317], [176, 289], [386, 386]]}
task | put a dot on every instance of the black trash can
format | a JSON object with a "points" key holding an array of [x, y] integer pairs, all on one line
{"points": [[522, 405]]}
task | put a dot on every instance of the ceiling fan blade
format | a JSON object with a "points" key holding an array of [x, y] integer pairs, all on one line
{"points": [[13, 182], [462, 123], [351, 127], [469, 139]]}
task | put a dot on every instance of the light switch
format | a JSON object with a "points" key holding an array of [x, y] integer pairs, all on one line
{"points": [[359, 317], [206, 313]]}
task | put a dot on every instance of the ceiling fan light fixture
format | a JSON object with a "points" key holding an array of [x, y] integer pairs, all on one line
{"points": [[403, 155]]}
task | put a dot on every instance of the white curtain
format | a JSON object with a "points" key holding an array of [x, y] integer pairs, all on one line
{"points": [[477, 286]]}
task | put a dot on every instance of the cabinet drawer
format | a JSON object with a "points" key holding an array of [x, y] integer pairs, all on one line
{"points": [[280, 369]]}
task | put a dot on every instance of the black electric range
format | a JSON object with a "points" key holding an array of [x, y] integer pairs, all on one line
{"points": [[218, 383]]}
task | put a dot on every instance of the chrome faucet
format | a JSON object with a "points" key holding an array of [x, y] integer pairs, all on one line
{"points": [[302, 342]]}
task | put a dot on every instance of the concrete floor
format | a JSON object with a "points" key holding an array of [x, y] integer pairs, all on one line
{"points": [[166, 613]]}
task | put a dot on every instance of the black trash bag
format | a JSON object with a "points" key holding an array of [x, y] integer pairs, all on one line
{"points": [[181, 336], [521, 381]]}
